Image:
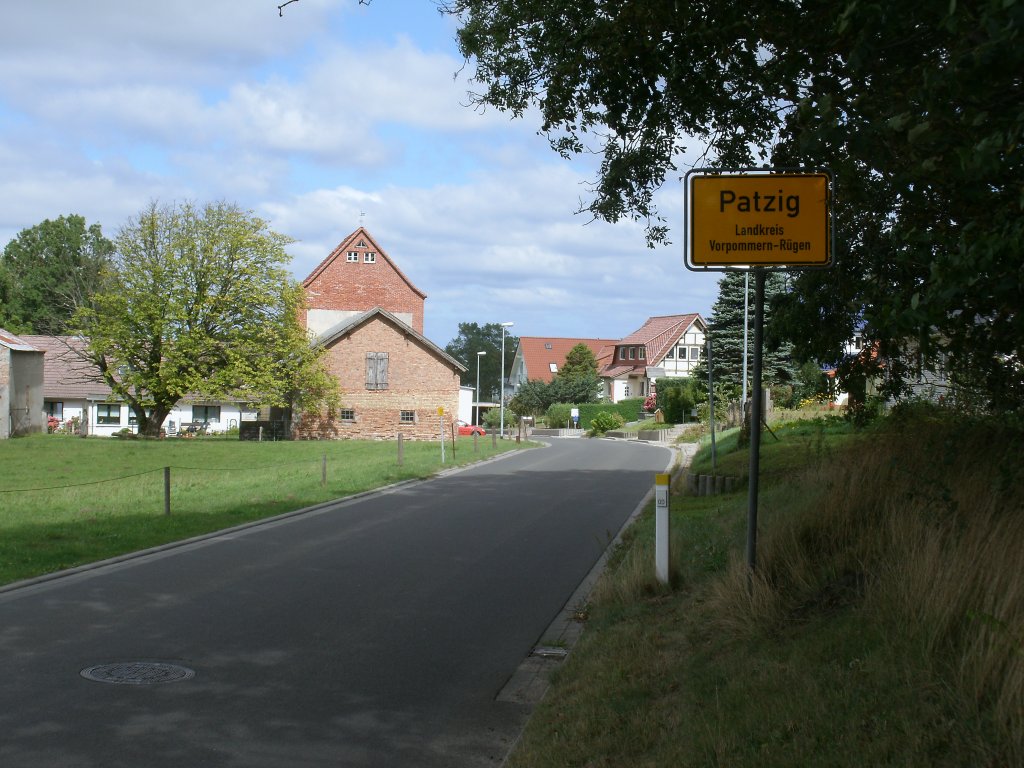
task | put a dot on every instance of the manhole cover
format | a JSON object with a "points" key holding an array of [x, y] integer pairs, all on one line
{"points": [[138, 673]]}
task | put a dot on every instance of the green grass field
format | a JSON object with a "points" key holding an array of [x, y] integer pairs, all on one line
{"points": [[66, 501], [883, 626]]}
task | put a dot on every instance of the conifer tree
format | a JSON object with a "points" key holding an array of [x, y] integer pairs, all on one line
{"points": [[725, 328]]}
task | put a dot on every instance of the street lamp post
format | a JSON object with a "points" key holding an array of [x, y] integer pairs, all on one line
{"points": [[476, 419], [502, 394]]}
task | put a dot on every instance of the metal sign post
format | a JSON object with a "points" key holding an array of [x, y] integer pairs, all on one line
{"points": [[711, 412], [440, 421], [755, 220], [756, 411]]}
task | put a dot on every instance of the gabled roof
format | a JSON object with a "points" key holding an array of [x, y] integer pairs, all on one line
{"points": [[657, 336], [350, 242], [350, 324], [66, 372], [17, 343], [540, 352]]}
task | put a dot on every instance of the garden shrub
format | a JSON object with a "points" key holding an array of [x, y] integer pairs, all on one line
{"points": [[558, 415], [605, 421], [628, 410]]}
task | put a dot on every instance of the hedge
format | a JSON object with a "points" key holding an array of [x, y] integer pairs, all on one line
{"points": [[629, 410]]}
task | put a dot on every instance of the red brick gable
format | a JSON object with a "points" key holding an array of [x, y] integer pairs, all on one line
{"points": [[357, 276]]}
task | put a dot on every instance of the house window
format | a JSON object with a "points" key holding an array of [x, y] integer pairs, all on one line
{"points": [[370, 257], [671, 354], [376, 370], [352, 257], [348, 414], [622, 353], [632, 353], [547, 345], [108, 413], [643, 353], [695, 353], [132, 420], [207, 413], [54, 408], [626, 391], [553, 367], [407, 417]]}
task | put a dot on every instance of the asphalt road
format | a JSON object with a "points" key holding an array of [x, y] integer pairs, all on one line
{"points": [[374, 632]]}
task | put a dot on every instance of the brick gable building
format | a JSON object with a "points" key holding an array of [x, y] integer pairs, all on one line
{"points": [[393, 380], [369, 317], [357, 276]]}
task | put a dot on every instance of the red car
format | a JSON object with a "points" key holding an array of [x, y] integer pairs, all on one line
{"points": [[467, 429]]}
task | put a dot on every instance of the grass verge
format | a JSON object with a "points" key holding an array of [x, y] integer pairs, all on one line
{"points": [[884, 625], [65, 501]]}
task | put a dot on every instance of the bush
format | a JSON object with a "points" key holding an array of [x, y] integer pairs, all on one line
{"points": [[605, 421], [677, 397], [558, 415], [492, 418], [628, 410]]}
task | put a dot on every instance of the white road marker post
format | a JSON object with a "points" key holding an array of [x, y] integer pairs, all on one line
{"points": [[661, 532]]}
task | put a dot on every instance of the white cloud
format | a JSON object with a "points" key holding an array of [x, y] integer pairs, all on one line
{"points": [[333, 114]]}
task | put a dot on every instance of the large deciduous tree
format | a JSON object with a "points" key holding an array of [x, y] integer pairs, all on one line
{"points": [[197, 301], [474, 338], [47, 271], [916, 107]]}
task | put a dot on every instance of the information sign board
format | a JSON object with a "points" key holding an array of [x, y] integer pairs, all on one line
{"points": [[739, 220]]}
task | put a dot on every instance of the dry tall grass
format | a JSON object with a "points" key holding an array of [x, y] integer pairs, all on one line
{"points": [[924, 533]]}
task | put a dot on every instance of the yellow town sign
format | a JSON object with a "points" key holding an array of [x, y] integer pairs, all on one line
{"points": [[740, 220]]}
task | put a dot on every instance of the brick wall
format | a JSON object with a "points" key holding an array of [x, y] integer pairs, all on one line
{"points": [[419, 381], [338, 284]]}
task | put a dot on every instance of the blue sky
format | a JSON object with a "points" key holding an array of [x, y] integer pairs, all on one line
{"points": [[331, 113]]}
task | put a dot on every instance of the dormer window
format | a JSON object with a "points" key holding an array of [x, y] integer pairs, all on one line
{"points": [[352, 257], [369, 257], [622, 353], [643, 353], [632, 353]]}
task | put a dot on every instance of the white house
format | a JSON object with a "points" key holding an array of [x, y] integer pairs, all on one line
{"points": [[76, 396], [669, 346]]}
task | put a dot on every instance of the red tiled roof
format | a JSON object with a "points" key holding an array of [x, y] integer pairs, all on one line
{"points": [[342, 249], [657, 336], [538, 357]]}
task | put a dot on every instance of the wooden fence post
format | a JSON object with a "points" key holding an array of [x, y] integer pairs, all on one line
{"points": [[167, 490]]}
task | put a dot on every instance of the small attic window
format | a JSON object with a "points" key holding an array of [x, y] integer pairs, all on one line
{"points": [[547, 345], [352, 257], [370, 257], [553, 367], [361, 244]]}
